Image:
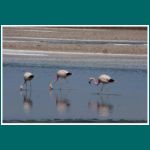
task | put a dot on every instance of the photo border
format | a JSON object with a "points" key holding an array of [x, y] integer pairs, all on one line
{"points": [[147, 123]]}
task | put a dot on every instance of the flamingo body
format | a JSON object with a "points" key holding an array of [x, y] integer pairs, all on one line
{"points": [[63, 74], [28, 76], [104, 78]]}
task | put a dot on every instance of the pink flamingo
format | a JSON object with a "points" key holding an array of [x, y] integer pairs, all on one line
{"points": [[104, 79]]}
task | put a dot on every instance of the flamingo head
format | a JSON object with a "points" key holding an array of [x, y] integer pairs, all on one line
{"points": [[95, 81], [50, 86], [21, 87]]}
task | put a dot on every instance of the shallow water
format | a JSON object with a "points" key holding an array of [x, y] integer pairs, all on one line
{"points": [[126, 99]]}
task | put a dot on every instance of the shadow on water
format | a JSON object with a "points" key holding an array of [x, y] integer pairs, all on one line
{"points": [[106, 94]]}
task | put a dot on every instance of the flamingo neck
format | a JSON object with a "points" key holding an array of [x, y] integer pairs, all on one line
{"points": [[96, 82]]}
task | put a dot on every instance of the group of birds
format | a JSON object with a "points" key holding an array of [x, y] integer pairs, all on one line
{"points": [[64, 74]]}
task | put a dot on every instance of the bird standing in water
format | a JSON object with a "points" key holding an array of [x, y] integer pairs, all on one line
{"points": [[61, 74], [28, 76], [104, 79]]}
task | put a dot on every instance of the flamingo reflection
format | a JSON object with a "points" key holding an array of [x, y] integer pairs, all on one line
{"points": [[62, 102], [27, 102], [102, 108]]}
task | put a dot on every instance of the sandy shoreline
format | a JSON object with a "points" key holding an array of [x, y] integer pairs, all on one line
{"points": [[76, 33]]}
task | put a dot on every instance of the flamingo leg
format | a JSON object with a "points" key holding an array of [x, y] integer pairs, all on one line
{"points": [[30, 85], [60, 84], [26, 85]]}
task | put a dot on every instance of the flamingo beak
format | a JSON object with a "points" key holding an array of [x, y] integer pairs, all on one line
{"points": [[50, 86]]}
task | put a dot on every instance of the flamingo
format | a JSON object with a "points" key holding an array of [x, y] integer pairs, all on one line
{"points": [[104, 79], [62, 74], [28, 76]]}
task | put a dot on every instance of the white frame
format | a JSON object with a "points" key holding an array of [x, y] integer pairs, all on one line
{"points": [[147, 123]]}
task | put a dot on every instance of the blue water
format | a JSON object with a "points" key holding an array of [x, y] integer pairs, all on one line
{"points": [[124, 99]]}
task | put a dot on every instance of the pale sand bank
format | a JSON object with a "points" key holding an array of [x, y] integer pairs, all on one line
{"points": [[77, 33]]}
